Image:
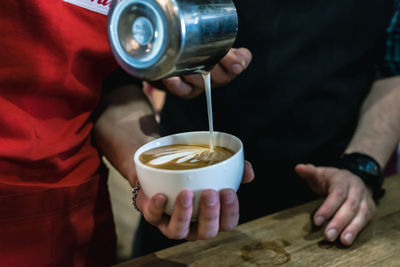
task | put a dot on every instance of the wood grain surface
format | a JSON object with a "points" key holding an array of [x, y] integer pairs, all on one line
{"points": [[289, 238]]}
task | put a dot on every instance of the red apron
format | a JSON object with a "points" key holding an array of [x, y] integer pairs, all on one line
{"points": [[54, 204]]}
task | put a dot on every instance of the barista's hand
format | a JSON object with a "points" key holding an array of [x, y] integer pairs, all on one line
{"points": [[348, 205], [218, 212], [235, 61]]}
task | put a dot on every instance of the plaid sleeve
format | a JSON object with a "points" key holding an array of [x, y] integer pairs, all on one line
{"points": [[391, 63]]}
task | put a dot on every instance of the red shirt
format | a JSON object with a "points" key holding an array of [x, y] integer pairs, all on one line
{"points": [[54, 56]]}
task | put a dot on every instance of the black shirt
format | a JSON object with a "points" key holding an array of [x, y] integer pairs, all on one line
{"points": [[299, 100]]}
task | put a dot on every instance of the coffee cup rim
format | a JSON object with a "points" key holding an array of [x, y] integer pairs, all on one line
{"points": [[141, 150]]}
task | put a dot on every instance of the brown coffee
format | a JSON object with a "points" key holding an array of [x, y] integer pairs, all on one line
{"points": [[183, 157]]}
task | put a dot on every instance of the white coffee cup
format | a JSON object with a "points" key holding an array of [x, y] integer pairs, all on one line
{"points": [[223, 175]]}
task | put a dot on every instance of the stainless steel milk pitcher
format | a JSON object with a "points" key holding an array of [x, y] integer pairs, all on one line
{"points": [[154, 39]]}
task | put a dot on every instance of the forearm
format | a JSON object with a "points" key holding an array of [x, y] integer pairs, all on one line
{"points": [[127, 123], [378, 129]]}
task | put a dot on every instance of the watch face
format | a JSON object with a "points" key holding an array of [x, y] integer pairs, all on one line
{"points": [[364, 167], [367, 166]]}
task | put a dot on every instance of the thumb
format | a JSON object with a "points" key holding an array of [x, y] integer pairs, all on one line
{"points": [[315, 176], [306, 171], [152, 208], [242, 57]]}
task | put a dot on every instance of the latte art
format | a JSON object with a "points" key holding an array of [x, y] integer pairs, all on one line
{"points": [[182, 157]]}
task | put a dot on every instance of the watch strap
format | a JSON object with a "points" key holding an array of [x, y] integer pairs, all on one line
{"points": [[366, 168]]}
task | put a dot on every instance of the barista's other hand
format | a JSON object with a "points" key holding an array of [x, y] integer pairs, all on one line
{"points": [[348, 205], [218, 212], [234, 62]]}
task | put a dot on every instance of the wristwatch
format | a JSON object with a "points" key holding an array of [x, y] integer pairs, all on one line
{"points": [[367, 168]]}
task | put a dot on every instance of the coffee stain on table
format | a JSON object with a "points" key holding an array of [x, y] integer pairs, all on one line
{"points": [[266, 252]]}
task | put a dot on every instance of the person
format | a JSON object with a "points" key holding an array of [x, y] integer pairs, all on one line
{"points": [[54, 202], [127, 113], [304, 108]]}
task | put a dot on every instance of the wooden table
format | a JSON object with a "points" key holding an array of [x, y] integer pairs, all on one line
{"points": [[288, 238]]}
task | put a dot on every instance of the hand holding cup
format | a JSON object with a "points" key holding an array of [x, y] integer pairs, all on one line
{"points": [[204, 194]]}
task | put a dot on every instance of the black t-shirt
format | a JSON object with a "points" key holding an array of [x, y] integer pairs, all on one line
{"points": [[299, 100]]}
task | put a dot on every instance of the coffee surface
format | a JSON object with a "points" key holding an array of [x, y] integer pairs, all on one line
{"points": [[184, 156]]}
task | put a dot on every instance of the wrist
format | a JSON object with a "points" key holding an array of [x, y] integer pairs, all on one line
{"points": [[366, 168]]}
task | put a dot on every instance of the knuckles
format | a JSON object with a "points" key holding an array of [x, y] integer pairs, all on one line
{"points": [[340, 193], [182, 219], [210, 216], [354, 204], [151, 217]]}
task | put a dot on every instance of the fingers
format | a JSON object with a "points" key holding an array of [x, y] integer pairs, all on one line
{"points": [[189, 86], [195, 81], [305, 171], [348, 206], [186, 87], [310, 172], [331, 204], [316, 177], [229, 210], [354, 214], [348, 210], [248, 172], [236, 60], [175, 227], [152, 209], [218, 212], [179, 224], [208, 224], [365, 214], [177, 86]]}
